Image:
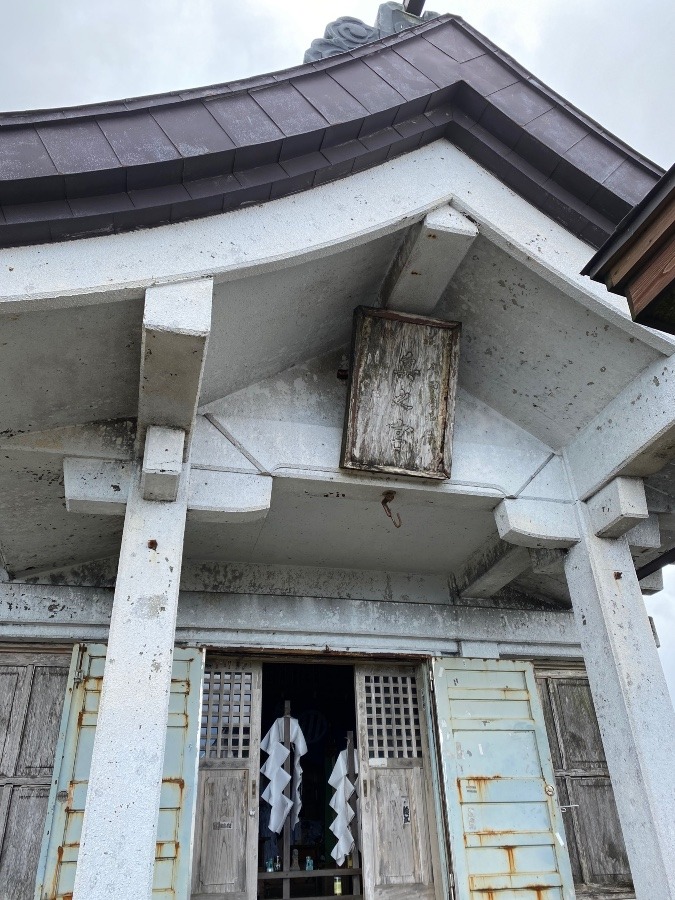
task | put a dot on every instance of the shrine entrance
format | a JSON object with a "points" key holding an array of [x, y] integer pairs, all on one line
{"points": [[313, 782]]}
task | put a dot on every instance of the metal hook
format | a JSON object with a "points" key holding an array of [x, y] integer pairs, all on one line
{"points": [[387, 498]]}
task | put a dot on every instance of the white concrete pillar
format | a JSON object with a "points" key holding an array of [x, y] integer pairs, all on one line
{"points": [[631, 699], [117, 849]]}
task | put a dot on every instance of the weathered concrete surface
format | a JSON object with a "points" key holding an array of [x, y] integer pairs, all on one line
{"points": [[162, 463], [537, 523], [491, 568], [117, 850], [176, 327], [425, 265], [631, 700], [311, 623], [605, 447], [617, 507]]}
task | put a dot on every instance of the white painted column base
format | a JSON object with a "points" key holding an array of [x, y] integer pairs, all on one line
{"points": [[631, 699], [117, 851]]}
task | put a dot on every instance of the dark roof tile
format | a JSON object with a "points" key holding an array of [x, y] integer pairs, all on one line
{"points": [[289, 110], [383, 138], [301, 165], [192, 129], [366, 86], [500, 125], [78, 146], [409, 81], [208, 187], [23, 155], [334, 103], [432, 62], [487, 75], [159, 196], [137, 139], [595, 157], [244, 120], [332, 173], [36, 212], [537, 153], [104, 203], [261, 175], [630, 182], [347, 151], [292, 185], [372, 158], [455, 43], [557, 129], [520, 102]]}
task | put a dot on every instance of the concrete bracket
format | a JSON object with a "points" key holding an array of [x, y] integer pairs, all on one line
{"points": [[617, 507], [537, 523], [162, 463]]}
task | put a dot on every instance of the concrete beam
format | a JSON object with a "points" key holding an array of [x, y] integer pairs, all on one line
{"points": [[96, 486], [646, 535], [652, 584], [228, 496], [162, 463], [176, 326], [547, 561], [491, 568], [537, 523], [427, 260], [275, 621], [631, 699], [607, 446], [617, 507], [102, 488]]}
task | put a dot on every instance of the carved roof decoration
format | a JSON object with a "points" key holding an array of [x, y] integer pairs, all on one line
{"points": [[118, 166]]}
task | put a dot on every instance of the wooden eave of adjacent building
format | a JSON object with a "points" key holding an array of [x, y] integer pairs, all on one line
{"points": [[638, 261]]}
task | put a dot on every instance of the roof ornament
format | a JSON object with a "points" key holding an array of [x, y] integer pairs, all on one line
{"points": [[347, 33]]}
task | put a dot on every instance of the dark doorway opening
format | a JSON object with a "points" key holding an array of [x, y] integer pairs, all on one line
{"points": [[321, 698]]}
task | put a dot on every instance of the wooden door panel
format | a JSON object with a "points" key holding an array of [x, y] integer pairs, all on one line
{"points": [[393, 760], [226, 834], [402, 841], [224, 795], [603, 854], [43, 716], [32, 688], [25, 808], [580, 734]]}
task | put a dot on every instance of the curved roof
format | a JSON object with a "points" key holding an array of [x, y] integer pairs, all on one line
{"points": [[132, 164]]}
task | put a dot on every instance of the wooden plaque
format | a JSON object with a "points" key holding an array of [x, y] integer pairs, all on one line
{"points": [[402, 387]]}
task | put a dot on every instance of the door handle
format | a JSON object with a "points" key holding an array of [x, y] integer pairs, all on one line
{"points": [[253, 789]]}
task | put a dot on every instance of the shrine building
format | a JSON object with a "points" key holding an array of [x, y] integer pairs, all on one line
{"points": [[330, 489]]}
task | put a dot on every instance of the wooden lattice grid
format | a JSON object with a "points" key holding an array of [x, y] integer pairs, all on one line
{"points": [[226, 713], [392, 717]]}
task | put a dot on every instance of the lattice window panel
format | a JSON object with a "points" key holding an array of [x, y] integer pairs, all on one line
{"points": [[392, 717], [226, 713]]}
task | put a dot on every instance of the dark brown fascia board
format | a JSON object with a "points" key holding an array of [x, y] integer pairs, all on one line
{"points": [[184, 155], [649, 223]]}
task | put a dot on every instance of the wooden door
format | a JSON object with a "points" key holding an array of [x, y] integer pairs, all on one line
{"points": [[597, 851], [506, 828], [226, 835], [63, 826], [32, 688], [396, 843]]}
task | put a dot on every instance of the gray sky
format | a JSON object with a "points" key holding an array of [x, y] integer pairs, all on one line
{"points": [[611, 58]]}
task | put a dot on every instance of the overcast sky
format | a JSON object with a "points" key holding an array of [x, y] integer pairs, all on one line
{"points": [[611, 58]]}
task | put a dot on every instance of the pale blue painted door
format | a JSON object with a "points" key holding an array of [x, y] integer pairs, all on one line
{"points": [[506, 831], [56, 871]]}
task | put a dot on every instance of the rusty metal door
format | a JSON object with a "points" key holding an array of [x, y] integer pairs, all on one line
{"points": [[226, 834], [63, 827], [396, 838], [506, 829]]}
